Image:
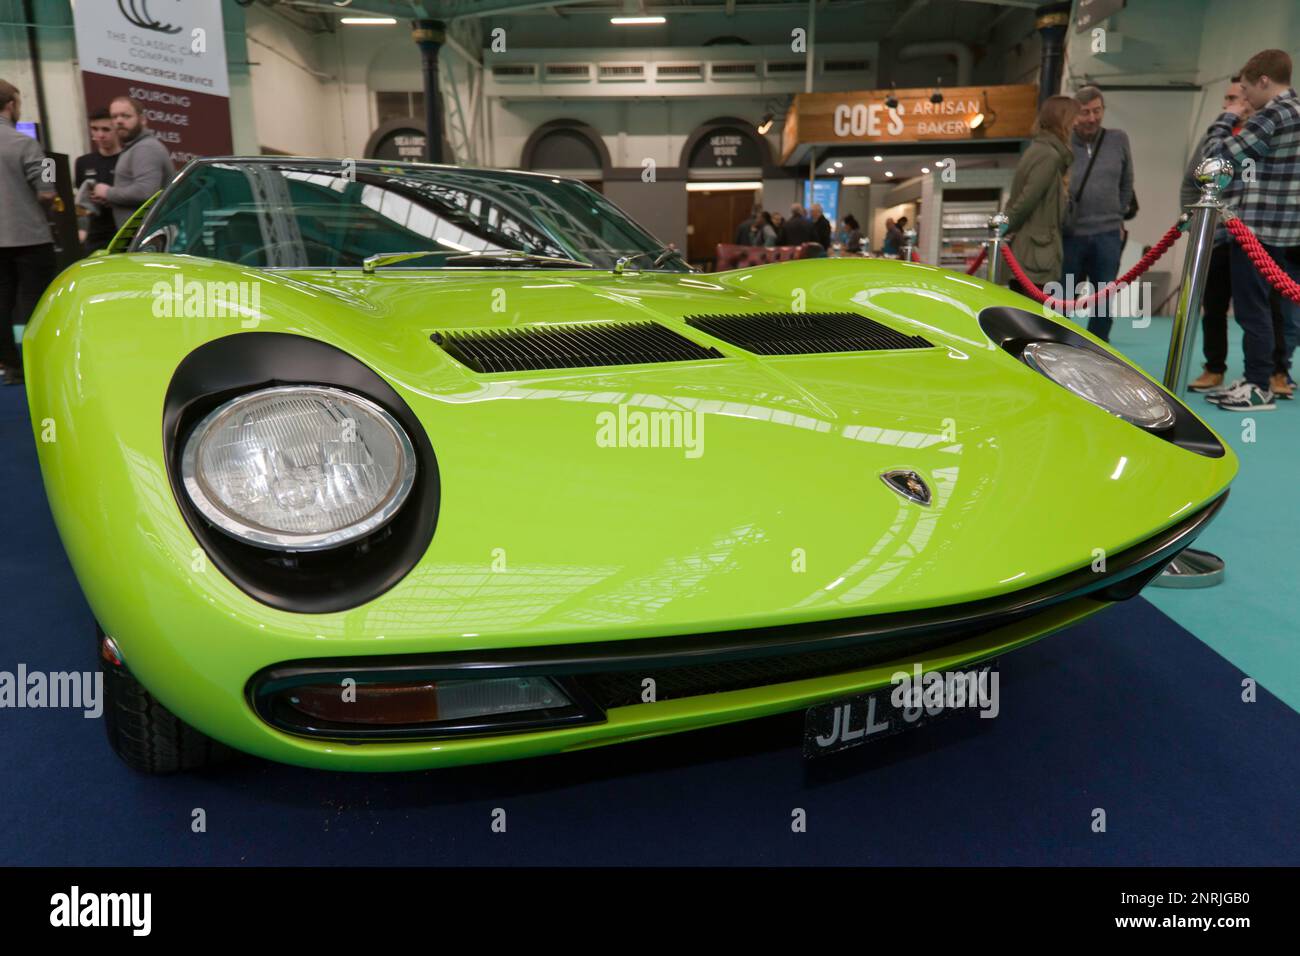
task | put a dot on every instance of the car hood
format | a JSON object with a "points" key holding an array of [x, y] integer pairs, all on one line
{"points": [[769, 502]]}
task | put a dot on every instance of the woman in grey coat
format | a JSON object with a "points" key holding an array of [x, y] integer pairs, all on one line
{"points": [[1038, 193]]}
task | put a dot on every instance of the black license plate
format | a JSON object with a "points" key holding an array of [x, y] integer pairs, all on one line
{"points": [[852, 721]]}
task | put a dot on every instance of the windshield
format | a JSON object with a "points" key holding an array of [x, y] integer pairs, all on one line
{"points": [[317, 214]]}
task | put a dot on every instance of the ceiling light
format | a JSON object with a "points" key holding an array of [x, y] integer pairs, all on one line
{"points": [[925, 169], [368, 21], [636, 21], [889, 173], [838, 164], [856, 181], [830, 169], [879, 159]]}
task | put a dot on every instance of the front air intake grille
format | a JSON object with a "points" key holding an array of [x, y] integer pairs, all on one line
{"points": [[570, 346], [804, 333], [626, 688]]}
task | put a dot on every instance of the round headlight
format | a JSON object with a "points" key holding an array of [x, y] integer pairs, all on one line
{"points": [[298, 468], [1104, 381]]}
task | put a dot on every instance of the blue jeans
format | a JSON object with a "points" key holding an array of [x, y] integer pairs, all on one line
{"points": [[1286, 315], [1250, 304], [1094, 258]]}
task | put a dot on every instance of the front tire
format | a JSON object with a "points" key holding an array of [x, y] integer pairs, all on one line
{"points": [[146, 735]]}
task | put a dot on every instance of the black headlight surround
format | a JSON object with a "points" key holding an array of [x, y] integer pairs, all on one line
{"points": [[1011, 329], [304, 582]]}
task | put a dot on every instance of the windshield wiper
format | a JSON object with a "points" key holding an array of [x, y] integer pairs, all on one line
{"points": [[664, 254], [371, 263], [514, 255]]}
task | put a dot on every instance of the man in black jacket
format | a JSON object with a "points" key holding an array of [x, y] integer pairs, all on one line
{"points": [[98, 165], [821, 225], [797, 229], [749, 232]]}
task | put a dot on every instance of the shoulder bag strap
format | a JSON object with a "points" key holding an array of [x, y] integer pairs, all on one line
{"points": [[1088, 172]]}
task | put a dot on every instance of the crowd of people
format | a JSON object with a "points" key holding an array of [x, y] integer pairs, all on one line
{"points": [[765, 228], [127, 165], [1073, 191]]}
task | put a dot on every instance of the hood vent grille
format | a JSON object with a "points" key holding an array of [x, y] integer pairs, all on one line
{"points": [[804, 333], [570, 346]]}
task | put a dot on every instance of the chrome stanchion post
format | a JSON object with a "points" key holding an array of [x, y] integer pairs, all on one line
{"points": [[1192, 568], [997, 225], [909, 244], [1213, 175]]}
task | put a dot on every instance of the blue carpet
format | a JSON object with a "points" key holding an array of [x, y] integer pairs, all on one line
{"points": [[1127, 712]]}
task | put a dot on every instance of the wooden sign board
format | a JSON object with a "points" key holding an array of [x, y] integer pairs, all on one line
{"points": [[832, 119]]}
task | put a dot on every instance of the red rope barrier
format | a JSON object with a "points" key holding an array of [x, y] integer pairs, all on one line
{"points": [[974, 267], [1262, 261], [1143, 264]]}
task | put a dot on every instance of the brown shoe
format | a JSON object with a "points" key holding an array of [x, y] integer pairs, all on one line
{"points": [[1280, 387], [1207, 381]]}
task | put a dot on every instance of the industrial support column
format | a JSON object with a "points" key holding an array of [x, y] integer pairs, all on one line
{"points": [[1052, 20], [429, 36]]}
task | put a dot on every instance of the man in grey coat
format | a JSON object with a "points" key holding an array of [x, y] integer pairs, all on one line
{"points": [[1100, 197], [143, 167], [27, 261]]}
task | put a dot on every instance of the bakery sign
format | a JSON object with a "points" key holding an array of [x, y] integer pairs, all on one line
{"points": [[911, 116]]}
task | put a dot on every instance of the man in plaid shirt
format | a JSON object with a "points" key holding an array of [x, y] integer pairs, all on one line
{"points": [[1270, 205]]}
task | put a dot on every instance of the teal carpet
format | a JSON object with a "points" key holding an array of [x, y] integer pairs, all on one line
{"points": [[1251, 618]]}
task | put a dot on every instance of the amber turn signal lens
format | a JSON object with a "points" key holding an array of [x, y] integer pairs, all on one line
{"points": [[394, 703]]}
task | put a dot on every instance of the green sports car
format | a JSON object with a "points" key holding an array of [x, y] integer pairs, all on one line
{"points": [[382, 467]]}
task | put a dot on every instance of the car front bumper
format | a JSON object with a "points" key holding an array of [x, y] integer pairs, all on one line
{"points": [[701, 680], [641, 721]]}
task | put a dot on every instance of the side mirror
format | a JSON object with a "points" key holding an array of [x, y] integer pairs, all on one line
{"points": [[159, 240]]}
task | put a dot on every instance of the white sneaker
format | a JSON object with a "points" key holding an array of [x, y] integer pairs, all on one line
{"points": [[1247, 398], [1214, 394]]}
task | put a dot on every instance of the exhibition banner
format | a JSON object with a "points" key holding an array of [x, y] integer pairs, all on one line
{"points": [[171, 57]]}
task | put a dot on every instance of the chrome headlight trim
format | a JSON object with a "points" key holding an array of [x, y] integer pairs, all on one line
{"points": [[1035, 353], [203, 498]]}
